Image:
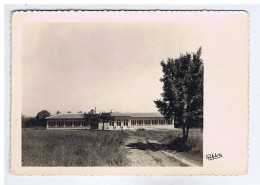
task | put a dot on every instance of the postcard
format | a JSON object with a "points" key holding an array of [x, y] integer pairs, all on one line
{"points": [[129, 92]]}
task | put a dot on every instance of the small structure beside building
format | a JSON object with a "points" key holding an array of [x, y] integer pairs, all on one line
{"points": [[121, 121]]}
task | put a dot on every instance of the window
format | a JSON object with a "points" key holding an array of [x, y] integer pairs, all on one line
{"points": [[60, 124], [147, 122], [84, 123], [125, 122], [169, 122], [51, 124], [77, 123], [111, 123], [161, 121], [139, 122], [118, 122], [133, 122]]}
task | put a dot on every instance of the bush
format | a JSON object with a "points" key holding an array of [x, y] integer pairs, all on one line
{"points": [[194, 143], [29, 122]]}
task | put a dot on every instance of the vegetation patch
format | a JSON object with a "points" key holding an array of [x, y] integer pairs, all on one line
{"points": [[42, 147], [171, 140], [193, 145]]}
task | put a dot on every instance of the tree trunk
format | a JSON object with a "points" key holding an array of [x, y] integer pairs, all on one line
{"points": [[183, 132], [184, 117], [187, 133], [103, 126]]}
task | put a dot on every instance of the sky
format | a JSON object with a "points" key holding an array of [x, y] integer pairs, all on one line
{"points": [[76, 66]]}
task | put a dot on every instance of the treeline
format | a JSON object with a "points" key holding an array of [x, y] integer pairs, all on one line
{"points": [[92, 118], [29, 122], [37, 121]]}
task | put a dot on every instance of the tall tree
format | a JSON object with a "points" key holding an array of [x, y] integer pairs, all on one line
{"points": [[182, 97], [58, 112], [40, 117]]}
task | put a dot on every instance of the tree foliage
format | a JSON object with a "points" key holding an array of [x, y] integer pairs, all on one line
{"points": [[28, 121], [182, 97], [93, 119], [40, 117], [105, 117]]}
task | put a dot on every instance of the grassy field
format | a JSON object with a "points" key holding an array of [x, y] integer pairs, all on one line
{"points": [[42, 147], [72, 148]]}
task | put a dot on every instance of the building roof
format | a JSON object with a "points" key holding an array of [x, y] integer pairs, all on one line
{"points": [[119, 114], [146, 115], [67, 116], [116, 114]]}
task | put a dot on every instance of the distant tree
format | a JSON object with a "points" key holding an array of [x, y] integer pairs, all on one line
{"points": [[92, 111], [182, 97], [105, 117], [31, 122], [58, 112], [79, 111], [68, 112], [91, 119], [40, 117], [23, 120]]}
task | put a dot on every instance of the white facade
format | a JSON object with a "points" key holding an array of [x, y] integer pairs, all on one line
{"points": [[121, 121]]}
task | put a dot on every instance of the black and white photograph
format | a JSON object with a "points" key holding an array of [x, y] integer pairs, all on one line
{"points": [[127, 89]]}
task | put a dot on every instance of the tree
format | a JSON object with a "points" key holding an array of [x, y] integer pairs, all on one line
{"points": [[58, 112], [40, 117], [80, 111], [105, 117], [92, 111], [182, 97], [91, 119], [30, 122], [68, 111], [23, 121]]}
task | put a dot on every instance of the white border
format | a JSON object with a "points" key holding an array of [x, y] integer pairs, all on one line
{"points": [[254, 162]]}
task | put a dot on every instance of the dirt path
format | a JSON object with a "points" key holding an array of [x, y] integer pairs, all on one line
{"points": [[145, 153]]}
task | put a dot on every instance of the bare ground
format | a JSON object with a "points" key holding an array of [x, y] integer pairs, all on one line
{"points": [[143, 152]]}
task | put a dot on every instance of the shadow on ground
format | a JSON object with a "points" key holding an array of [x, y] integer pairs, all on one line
{"points": [[178, 145]]}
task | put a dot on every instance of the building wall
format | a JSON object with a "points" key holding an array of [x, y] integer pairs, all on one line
{"points": [[119, 123], [66, 123], [153, 121]]}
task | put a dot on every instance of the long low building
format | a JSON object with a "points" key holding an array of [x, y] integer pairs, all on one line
{"points": [[121, 121], [66, 121]]}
